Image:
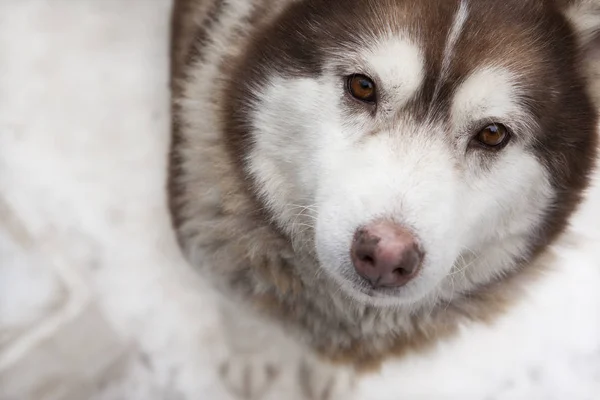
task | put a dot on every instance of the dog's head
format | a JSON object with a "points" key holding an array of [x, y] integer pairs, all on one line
{"points": [[419, 147]]}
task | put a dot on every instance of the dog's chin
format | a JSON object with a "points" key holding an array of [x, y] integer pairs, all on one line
{"points": [[360, 291]]}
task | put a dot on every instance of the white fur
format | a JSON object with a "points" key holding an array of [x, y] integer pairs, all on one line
{"points": [[341, 170], [399, 65], [491, 94], [506, 203]]}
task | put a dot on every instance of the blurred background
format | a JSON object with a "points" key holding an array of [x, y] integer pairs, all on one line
{"points": [[96, 301]]}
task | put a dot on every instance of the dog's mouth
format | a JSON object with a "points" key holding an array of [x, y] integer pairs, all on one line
{"points": [[364, 291], [368, 289]]}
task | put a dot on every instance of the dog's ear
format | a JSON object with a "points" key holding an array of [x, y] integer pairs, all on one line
{"points": [[584, 15]]}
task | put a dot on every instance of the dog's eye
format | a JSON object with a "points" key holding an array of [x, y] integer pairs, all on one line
{"points": [[362, 88], [493, 136]]}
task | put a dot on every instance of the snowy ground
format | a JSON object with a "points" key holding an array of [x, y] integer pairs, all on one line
{"points": [[83, 139]]}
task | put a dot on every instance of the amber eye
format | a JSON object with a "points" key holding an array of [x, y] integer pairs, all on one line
{"points": [[362, 88], [494, 136]]}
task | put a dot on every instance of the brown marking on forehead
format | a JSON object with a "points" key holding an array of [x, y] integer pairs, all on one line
{"points": [[518, 38], [512, 35], [433, 23]]}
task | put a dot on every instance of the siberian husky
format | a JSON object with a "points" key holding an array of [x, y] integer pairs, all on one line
{"points": [[357, 177]]}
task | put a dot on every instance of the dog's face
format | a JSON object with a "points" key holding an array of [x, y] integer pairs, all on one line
{"points": [[453, 138]]}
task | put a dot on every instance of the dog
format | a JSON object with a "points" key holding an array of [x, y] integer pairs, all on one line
{"points": [[358, 177]]}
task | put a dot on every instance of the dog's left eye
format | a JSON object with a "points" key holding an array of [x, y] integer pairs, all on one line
{"points": [[493, 136]]}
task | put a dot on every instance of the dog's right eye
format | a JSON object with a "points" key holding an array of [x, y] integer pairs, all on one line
{"points": [[362, 88]]}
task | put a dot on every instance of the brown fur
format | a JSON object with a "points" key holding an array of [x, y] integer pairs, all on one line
{"points": [[216, 210]]}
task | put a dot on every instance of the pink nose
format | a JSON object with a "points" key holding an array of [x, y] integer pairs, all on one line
{"points": [[386, 254]]}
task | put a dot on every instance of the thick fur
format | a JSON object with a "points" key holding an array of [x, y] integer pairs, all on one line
{"points": [[274, 166]]}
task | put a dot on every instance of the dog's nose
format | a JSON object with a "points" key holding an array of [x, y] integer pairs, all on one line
{"points": [[386, 254]]}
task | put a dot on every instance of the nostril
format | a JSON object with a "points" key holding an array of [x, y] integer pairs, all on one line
{"points": [[364, 248], [367, 259], [409, 264], [403, 272]]}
